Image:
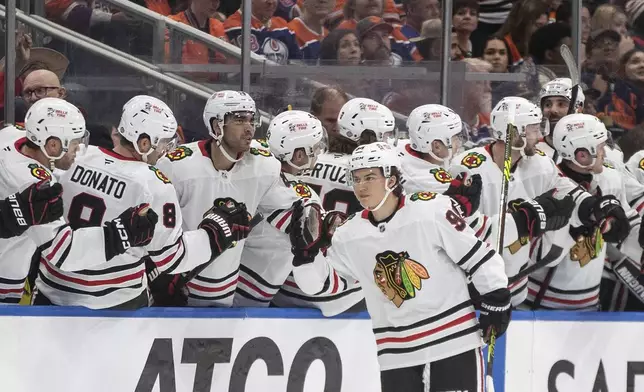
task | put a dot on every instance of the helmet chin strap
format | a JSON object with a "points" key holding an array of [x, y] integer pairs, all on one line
{"points": [[384, 199], [588, 167], [225, 153], [446, 161], [522, 148]]}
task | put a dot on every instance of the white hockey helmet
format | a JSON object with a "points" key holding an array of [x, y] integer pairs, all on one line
{"points": [[57, 118], [525, 114], [223, 103], [145, 115], [375, 155], [579, 131], [362, 114], [561, 87], [295, 129], [427, 123]]}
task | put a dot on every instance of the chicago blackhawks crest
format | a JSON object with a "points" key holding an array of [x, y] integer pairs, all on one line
{"points": [[263, 143], [39, 172], [473, 160], [302, 190], [179, 153], [539, 152], [642, 163], [441, 175], [260, 151], [422, 196], [398, 276], [160, 175]]}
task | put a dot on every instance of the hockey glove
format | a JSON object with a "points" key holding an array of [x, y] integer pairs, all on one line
{"points": [[543, 213], [40, 203], [466, 191], [308, 233], [225, 223], [133, 228], [611, 218], [495, 313], [168, 290]]}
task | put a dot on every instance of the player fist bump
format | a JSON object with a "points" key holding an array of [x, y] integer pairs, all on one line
{"points": [[40, 203], [466, 189], [543, 213], [225, 223], [133, 228]]}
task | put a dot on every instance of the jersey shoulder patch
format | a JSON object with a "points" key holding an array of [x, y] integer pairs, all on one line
{"points": [[610, 166], [441, 175], [263, 144], [543, 154], [302, 190], [473, 160], [162, 177], [260, 151], [422, 196], [179, 153], [39, 172], [641, 164]]}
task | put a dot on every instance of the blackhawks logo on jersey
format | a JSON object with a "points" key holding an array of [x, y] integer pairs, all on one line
{"points": [[642, 163], [539, 152], [39, 172], [587, 247], [608, 165], [423, 196], [179, 153], [160, 175], [441, 175], [398, 276], [302, 190], [260, 151], [473, 160], [263, 143]]}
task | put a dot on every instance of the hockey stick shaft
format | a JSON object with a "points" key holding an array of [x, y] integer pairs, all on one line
{"points": [[554, 253], [569, 59]]}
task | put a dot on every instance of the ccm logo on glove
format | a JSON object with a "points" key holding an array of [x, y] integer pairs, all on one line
{"points": [[125, 238], [607, 202], [17, 212]]}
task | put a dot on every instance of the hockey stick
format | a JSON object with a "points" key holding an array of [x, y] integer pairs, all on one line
{"points": [[627, 271], [569, 59], [505, 184], [554, 253]]}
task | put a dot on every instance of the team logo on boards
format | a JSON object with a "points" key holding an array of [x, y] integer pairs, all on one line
{"points": [[302, 190], [160, 175], [441, 175], [398, 276], [422, 196], [473, 160], [39, 172], [179, 153]]}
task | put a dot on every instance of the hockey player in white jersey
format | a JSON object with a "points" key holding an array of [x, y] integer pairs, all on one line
{"points": [[574, 284], [295, 138], [40, 203], [361, 121], [97, 187], [533, 176], [55, 132], [228, 165], [413, 255]]}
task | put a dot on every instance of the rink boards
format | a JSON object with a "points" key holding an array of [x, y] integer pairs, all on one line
{"points": [[166, 350]]}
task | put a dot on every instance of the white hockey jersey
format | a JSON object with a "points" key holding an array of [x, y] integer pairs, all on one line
{"points": [[266, 264], [576, 280], [530, 178], [98, 188], [329, 180], [255, 181], [11, 133], [61, 245], [414, 270]]}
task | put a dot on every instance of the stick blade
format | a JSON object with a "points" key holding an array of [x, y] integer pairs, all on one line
{"points": [[569, 59]]}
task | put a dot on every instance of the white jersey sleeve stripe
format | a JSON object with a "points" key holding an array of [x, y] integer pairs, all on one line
{"points": [[471, 253], [65, 240]]}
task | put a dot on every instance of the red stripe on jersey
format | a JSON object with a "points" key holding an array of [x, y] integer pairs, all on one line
{"points": [[421, 335], [169, 258], [517, 283], [478, 233], [211, 289], [335, 283], [566, 301], [58, 245], [120, 279], [639, 207], [9, 291], [283, 220], [479, 352], [292, 284], [255, 288]]}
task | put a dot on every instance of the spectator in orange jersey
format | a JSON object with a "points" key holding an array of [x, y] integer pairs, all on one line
{"points": [[416, 13], [199, 15], [355, 10], [309, 27], [344, 9], [270, 35], [526, 17], [159, 6]]}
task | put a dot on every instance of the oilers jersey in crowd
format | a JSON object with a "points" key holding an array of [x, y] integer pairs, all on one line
{"points": [[308, 40]]}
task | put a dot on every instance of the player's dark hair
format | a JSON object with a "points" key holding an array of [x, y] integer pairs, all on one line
{"points": [[367, 137], [398, 190], [632, 142], [126, 143], [32, 145], [459, 4], [323, 94], [339, 144], [546, 38]]}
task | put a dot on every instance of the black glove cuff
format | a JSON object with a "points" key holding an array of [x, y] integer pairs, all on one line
{"points": [[521, 221], [498, 300], [301, 257], [585, 213], [111, 249]]}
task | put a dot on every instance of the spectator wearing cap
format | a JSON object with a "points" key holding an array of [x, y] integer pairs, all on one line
{"points": [[309, 26], [373, 33], [270, 35], [199, 15], [464, 21], [622, 104], [418, 12], [544, 50], [526, 17], [341, 47], [429, 42], [400, 45], [564, 15]]}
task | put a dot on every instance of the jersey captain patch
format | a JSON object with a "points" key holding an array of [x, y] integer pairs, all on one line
{"points": [[302, 190], [260, 151], [179, 153], [39, 172], [441, 175], [398, 276], [160, 175], [473, 160], [423, 196]]}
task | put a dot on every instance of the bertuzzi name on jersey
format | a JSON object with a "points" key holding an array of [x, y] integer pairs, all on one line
{"points": [[328, 171]]}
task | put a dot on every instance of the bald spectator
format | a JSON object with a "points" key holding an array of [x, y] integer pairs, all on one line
{"points": [[325, 105], [416, 13], [41, 84]]}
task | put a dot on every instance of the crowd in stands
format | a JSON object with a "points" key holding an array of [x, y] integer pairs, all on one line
{"points": [[495, 36]]}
